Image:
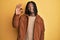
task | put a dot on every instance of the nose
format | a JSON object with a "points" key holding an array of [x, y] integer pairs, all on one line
{"points": [[31, 8]]}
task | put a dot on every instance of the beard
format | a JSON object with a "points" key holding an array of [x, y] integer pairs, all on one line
{"points": [[30, 12]]}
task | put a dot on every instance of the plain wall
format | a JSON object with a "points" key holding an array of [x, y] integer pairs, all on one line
{"points": [[47, 9]]}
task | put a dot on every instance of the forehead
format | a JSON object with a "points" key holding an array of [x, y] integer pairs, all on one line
{"points": [[30, 4]]}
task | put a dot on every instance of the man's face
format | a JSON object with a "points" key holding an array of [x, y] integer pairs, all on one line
{"points": [[31, 8]]}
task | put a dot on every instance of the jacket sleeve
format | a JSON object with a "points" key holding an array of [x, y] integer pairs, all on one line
{"points": [[15, 21], [42, 30]]}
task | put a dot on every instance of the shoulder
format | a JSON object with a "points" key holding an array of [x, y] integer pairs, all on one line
{"points": [[23, 17], [39, 18]]}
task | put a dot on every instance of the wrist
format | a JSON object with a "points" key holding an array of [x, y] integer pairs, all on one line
{"points": [[17, 14]]}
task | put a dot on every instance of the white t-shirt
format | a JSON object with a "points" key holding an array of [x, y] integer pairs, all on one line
{"points": [[29, 35]]}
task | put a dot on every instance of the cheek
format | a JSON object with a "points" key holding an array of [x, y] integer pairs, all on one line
{"points": [[29, 9], [32, 8]]}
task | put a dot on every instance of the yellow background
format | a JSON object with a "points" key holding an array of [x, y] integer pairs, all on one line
{"points": [[47, 9]]}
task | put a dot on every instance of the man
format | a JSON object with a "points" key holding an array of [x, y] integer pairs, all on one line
{"points": [[30, 25]]}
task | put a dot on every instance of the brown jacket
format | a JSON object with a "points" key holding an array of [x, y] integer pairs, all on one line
{"points": [[21, 22]]}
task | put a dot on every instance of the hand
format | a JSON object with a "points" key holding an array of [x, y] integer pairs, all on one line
{"points": [[19, 9]]}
